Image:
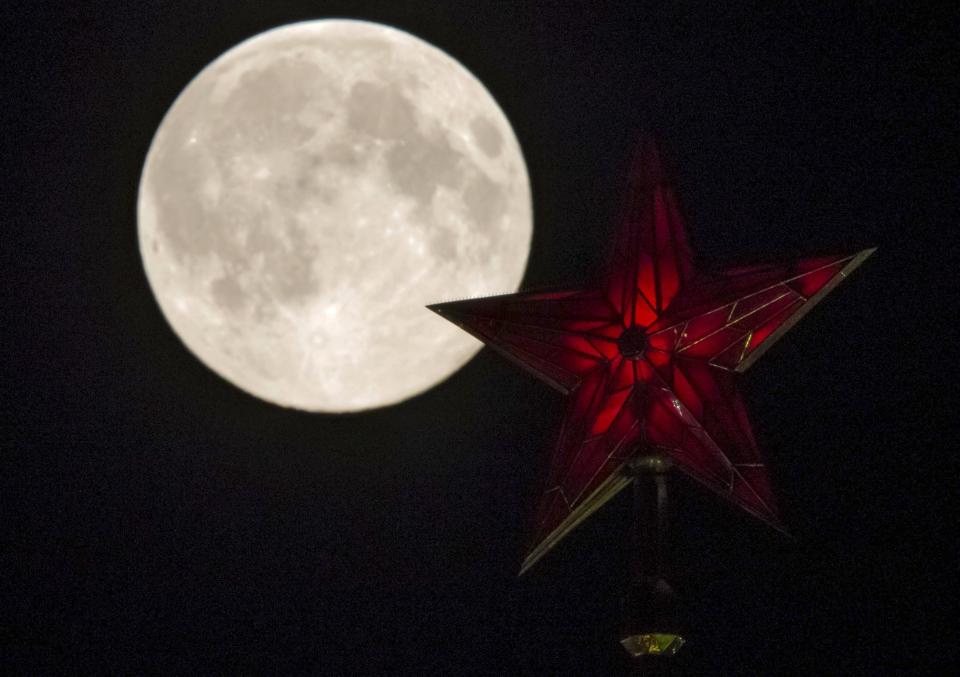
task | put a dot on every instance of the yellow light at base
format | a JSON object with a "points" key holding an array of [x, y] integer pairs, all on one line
{"points": [[652, 644]]}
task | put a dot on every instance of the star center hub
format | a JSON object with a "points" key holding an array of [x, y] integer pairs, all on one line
{"points": [[632, 343]]}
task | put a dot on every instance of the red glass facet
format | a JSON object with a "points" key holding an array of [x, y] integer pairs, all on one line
{"points": [[649, 359]]}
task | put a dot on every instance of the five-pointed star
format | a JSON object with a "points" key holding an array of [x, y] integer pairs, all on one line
{"points": [[648, 357]]}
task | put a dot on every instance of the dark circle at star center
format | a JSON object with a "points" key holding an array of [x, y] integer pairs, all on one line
{"points": [[632, 343]]}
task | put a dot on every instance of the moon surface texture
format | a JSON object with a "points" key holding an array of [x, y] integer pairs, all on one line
{"points": [[310, 191]]}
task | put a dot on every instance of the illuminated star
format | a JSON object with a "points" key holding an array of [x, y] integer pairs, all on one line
{"points": [[649, 357]]}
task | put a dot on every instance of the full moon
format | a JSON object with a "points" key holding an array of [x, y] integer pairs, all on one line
{"points": [[309, 192]]}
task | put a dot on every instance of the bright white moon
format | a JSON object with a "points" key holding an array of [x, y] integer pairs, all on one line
{"points": [[310, 191]]}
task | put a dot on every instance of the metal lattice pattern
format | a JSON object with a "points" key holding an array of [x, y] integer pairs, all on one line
{"points": [[649, 359]]}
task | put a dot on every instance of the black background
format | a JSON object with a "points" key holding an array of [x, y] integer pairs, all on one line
{"points": [[156, 519]]}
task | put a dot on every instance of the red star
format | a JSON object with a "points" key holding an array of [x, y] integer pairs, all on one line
{"points": [[649, 357]]}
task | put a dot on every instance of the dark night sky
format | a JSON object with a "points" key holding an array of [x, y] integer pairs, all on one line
{"points": [[156, 519]]}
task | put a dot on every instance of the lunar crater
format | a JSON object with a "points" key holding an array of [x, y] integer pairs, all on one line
{"points": [[487, 136]]}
